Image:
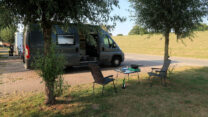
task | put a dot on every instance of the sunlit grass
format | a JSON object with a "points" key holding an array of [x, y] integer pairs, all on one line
{"points": [[185, 96], [154, 44]]}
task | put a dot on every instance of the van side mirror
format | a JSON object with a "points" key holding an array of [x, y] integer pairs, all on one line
{"points": [[114, 45]]}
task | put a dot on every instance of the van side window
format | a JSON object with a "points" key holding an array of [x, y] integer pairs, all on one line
{"points": [[65, 40], [108, 42]]}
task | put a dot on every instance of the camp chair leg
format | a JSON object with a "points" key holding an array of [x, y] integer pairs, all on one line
{"points": [[93, 87], [150, 81], [165, 84], [116, 77], [102, 89], [114, 87]]}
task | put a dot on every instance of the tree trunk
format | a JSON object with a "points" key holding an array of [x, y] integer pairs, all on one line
{"points": [[49, 86], [49, 90], [166, 54], [47, 30]]}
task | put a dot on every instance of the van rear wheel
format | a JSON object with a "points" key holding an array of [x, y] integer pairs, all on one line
{"points": [[116, 61]]}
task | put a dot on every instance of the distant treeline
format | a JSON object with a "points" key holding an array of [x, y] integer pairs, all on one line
{"points": [[138, 30]]}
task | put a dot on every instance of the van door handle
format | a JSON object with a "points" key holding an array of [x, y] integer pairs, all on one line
{"points": [[103, 48], [77, 49]]}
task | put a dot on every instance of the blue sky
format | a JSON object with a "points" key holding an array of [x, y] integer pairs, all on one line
{"points": [[125, 27]]}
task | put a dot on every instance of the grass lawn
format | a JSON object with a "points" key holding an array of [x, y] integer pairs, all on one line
{"points": [[146, 44], [185, 96]]}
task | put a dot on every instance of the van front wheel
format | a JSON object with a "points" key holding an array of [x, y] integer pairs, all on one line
{"points": [[116, 61]]}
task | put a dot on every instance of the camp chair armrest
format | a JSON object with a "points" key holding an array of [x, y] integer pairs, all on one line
{"points": [[109, 76], [160, 71], [154, 69]]}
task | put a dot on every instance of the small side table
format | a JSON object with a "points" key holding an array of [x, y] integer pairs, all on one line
{"points": [[127, 71]]}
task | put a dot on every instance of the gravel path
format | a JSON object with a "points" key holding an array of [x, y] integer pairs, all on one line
{"points": [[154, 60]]}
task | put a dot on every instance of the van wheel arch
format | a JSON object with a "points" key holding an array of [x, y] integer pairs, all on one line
{"points": [[116, 60]]}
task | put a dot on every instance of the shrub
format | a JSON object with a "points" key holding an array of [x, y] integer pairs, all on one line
{"points": [[51, 68]]}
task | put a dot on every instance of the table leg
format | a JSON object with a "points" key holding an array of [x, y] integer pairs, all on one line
{"points": [[116, 77], [124, 83], [138, 77]]}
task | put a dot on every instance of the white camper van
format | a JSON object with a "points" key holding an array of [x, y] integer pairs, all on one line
{"points": [[18, 44]]}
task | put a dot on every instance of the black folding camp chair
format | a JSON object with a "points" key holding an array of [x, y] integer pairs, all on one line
{"points": [[98, 77]]}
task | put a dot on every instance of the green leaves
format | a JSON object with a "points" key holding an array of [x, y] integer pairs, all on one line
{"points": [[65, 11], [7, 19], [51, 66], [7, 34]]}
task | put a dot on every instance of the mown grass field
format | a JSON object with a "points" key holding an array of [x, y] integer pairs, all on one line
{"points": [[185, 96], [154, 44]]}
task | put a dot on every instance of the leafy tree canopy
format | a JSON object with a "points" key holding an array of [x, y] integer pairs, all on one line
{"points": [[70, 11], [7, 18], [7, 34]]}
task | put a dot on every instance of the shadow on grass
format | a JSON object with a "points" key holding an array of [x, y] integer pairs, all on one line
{"points": [[83, 69], [146, 63], [186, 95]]}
